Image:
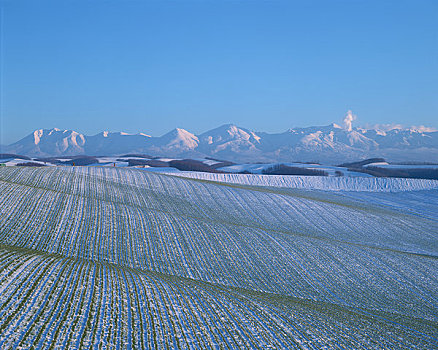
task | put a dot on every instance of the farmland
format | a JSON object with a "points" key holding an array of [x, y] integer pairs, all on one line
{"points": [[125, 258]]}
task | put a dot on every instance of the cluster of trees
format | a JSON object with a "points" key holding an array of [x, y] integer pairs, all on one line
{"points": [[282, 169], [11, 155], [192, 165], [414, 173], [30, 164], [150, 162]]}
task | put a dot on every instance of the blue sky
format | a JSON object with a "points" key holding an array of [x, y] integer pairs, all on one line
{"points": [[150, 66]]}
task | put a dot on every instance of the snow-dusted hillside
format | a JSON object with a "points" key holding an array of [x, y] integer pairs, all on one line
{"points": [[330, 144], [118, 257], [347, 183]]}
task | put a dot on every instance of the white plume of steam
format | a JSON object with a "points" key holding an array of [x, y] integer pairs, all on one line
{"points": [[348, 121]]}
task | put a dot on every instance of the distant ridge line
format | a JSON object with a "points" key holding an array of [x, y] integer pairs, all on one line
{"points": [[326, 144]]}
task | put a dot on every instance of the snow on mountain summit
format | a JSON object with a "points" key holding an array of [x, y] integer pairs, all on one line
{"points": [[50, 142], [180, 139], [331, 143], [228, 132], [229, 139]]}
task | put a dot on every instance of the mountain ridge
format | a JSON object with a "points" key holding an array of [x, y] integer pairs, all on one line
{"points": [[328, 144]]}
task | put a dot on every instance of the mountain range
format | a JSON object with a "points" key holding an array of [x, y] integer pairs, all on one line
{"points": [[326, 144]]}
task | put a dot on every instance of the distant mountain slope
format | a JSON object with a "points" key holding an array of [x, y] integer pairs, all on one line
{"points": [[327, 144], [49, 142]]}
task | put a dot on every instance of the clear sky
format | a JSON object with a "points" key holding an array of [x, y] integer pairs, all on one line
{"points": [[151, 66]]}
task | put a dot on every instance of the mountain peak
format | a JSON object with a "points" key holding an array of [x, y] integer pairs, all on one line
{"points": [[229, 126], [330, 143], [180, 133], [227, 130], [180, 139]]}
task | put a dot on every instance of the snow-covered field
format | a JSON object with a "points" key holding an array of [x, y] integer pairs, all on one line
{"points": [[369, 184], [117, 258]]}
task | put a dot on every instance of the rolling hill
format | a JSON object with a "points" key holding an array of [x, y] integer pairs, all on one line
{"points": [[117, 257]]}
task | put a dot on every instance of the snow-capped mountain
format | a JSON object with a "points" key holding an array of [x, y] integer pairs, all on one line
{"points": [[326, 144], [175, 142], [230, 139], [50, 142]]}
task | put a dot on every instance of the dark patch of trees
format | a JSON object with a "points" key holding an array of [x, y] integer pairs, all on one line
{"points": [[81, 161], [59, 160], [11, 155], [282, 169], [414, 173], [192, 165], [416, 163], [221, 164], [315, 162], [137, 156], [30, 164]]}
